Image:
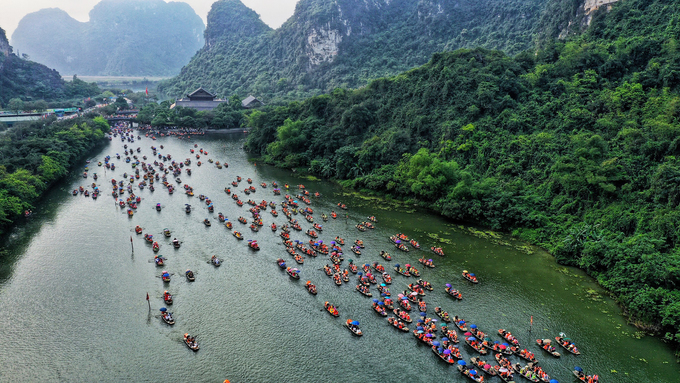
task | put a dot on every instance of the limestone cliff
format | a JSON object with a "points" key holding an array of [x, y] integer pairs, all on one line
{"points": [[327, 44], [26, 79], [122, 37], [5, 48]]}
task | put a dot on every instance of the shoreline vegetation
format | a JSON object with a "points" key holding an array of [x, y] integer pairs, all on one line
{"points": [[574, 147], [34, 156]]}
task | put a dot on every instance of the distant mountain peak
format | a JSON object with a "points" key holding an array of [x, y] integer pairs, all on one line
{"points": [[344, 43], [122, 37], [230, 19], [5, 48]]}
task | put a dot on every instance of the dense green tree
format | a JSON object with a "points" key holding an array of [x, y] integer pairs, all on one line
{"points": [[574, 148], [16, 105]]}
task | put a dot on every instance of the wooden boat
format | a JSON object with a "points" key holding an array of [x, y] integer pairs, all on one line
{"points": [[403, 315], [527, 355], [384, 290], [176, 244], [167, 316], [293, 272], [504, 373], [386, 278], [238, 235], [331, 309], [401, 247], [359, 243], [190, 275], [386, 256], [496, 347], [445, 357], [426, 262], [167, 297], [526, 372], [356, 250], [401, 271], [398, 324], [310, 287], [364, 290], [166, 232], [470, 276], [206, 222], [158, 260], [453, 292], [508, 337], [253, 245], [191, 342], [353, 326], [476, 345], [437, 250], [165, 276], [404, 304], [567, 344], [449, 333], [215, 261], [580, 375], [546, 345], [468, 373], [442, 314], [479, 363]]}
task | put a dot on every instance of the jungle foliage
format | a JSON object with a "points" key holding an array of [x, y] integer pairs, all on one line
{"points": [[226, 116], [34, 155], [575, 147], [344, 43]]}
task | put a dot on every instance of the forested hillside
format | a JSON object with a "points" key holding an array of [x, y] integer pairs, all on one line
{"points": [[575, 148], [34, 155], [26, 79], [344, 43], [122, 37]]}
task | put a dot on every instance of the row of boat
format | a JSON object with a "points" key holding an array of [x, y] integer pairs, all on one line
{"points": [[398, 321]]}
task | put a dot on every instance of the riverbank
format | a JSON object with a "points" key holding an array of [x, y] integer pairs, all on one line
{"points": [[82, 246], [482, 231], [39, 156]]}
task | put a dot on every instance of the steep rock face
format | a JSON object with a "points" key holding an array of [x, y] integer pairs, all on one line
{"points": [[564, 18], [123, 37], [5, 48], [322, 44], [26, 79], [232, 20], [331, 43], [52, 37]]}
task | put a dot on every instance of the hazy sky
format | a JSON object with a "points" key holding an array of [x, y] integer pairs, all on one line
{"points": [[273, 12]]}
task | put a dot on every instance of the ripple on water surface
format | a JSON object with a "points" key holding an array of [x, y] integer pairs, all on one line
{"points": [[72, 299]]}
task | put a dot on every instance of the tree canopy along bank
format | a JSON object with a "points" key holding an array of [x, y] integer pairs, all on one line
{"points": [[574, 147], [35, 155]]}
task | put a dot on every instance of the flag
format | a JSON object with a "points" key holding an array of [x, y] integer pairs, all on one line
{"points": [[532, 320], [147, 91], [147, 296], [130, 239]]}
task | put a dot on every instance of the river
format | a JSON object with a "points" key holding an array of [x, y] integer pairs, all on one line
{"points": [[73, 307]]}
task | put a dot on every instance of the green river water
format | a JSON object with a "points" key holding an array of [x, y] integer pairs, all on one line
{"points": [[73, 307]]}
